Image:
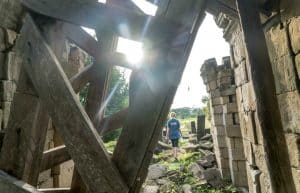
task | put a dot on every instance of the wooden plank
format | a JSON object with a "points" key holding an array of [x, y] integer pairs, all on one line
{"points": [[266, 101], [54, 157], [112, 122], [82, 78], [106, 17], [9, 184], [55, 190], [80, 137], [151, 88]]}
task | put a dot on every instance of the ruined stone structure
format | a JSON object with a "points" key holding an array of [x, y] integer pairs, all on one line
{"points": [[255, 99]]}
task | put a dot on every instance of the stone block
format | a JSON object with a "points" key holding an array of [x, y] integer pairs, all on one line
{"points": [[217, 119], [239, 179], [220, 130], [293, 145], [222, 152], [230, 108], [2, 39], [289, 105], [233, 165], [226, 91], [241, 166], [229, 119], [6, 112], [225, 173], [239, 52], [236, 153], [2, 65], [234, 142], [215, 93], [241, 74], [218, 109], [219, 141], [284, 74], [296, 177], [7, 89], [297, 63], [11, 37], [233, 131], [249, 99], [222, 163], [294, 30], [225, 73], [225, 81], [236, 119], [248, 127], [212, 85], [277, 42], [239, 98]]}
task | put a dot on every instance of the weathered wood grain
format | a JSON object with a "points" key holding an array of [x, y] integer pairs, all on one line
{"points": [[54, 157], [151, 93], [81, 139], [82, 78], [95, 15], [266, 101], [9, 184]]}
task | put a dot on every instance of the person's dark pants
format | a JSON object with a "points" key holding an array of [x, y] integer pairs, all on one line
{"points": [[174, 142]]}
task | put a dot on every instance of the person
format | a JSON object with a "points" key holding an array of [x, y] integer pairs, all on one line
{"points": [[174, 133]]}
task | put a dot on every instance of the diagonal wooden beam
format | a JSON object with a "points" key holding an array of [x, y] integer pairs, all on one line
{"points": [[151, 88], [82, 78], [59, 155], [95, 15], [266, 100], [82, 141]]}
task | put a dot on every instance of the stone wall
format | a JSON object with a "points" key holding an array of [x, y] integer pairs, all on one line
{"points": [[283, 40], [225, 129]]}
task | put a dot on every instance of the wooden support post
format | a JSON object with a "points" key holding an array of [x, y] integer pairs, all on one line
{"points": [[193, 127], [82, 142], [200, 126], [54, 157], [154, 87], [267, 105]]}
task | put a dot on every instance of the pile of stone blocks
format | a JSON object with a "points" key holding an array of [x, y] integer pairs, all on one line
{"points": [[226, 132]]}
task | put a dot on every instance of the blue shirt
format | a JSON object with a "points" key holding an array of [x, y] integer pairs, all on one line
{"points": [[174, 126]]}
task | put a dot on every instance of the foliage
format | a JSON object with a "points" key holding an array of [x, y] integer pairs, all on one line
{"points": [[117, 98], [187, 112], [206, 110]]}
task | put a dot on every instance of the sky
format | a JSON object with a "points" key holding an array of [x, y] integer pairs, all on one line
{"points": [[209, 43]]}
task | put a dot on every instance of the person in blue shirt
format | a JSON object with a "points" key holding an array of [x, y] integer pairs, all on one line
{"points": [[174, 133]]}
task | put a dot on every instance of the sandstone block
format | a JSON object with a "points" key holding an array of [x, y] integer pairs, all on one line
{"points": [[233, 131], [226, 91], [284, 74], [296, 176], [218, 109], [236, 153], [225, 81], [222, 152], [215, 93], [15, 11], [222, 163], [298, 65], [294, 30], [239, 179], [234, 142], [230, 108], [249, 99], [226, 175], [220, 141], [212, 85], [239, 53], [2, 39], [225, 73], [6, 112], [2, 65], [277, 42], [11, 37], [293, 144], [7, 89], [289, 105], [241, 74], [217, 119]]}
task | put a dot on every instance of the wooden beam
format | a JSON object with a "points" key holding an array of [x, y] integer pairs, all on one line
{"points": [[266, 100], [112, 122], [55, 190], [82, 78], [9, 184], [151, 88], [81, 139], [106, 17], [54, 157], [59, 155]]}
